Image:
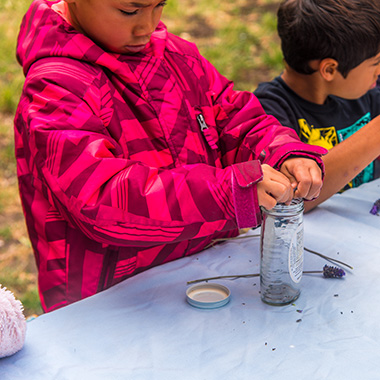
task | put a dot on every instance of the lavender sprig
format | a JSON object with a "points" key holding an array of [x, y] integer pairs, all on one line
{"points": [[328, 272], [375, 208], [333, 272]]}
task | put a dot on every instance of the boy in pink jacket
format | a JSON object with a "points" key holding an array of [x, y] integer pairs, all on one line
{"points": [[132, 150]]}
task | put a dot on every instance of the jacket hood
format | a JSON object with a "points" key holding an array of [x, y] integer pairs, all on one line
{"points": [[44, 33]]}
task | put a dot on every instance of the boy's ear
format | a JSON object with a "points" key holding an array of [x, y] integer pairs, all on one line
{"points": [[328, 68]]}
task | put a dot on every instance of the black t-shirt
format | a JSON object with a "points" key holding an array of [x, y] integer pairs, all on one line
{"points": [[324, 125]]}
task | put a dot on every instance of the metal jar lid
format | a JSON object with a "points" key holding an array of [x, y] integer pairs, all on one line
{"points": [[208, 295]]}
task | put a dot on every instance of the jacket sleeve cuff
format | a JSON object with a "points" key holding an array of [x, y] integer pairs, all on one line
{"points": [[245, 177], [315, 153]]}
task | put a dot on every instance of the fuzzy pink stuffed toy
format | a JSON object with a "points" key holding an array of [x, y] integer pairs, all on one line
{"points": [[12, 323]]}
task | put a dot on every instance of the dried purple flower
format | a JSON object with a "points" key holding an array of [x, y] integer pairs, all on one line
{"points": [[333, 272], [375, 208]]}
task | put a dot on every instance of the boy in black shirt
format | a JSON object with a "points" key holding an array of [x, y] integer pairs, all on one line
{"points": [[328, 92]]}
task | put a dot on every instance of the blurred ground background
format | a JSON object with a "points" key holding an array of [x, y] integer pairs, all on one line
{"points": [[238, 37]]}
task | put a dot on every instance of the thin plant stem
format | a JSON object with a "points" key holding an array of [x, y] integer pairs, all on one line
{"points": [[335, 261], [330, 259], [233, 277], [225, 277], [214, 241]]}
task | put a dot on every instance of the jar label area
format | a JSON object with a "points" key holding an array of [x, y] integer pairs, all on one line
{"points": [[296, 255]]}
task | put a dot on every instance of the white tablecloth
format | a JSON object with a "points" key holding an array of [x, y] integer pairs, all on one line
{"points": [[143, 328]]}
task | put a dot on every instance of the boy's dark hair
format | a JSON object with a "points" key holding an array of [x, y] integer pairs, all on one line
{"points": [[345, 30]]}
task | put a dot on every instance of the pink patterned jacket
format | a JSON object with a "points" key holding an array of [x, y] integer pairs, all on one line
{"points": [[128, 162]]}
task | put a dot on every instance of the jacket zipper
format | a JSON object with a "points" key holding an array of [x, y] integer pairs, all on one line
{"points": [[201, 121], [206, 132]]}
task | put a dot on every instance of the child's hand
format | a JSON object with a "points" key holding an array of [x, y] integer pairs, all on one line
{"points": [[305, 176], [274, 188]]}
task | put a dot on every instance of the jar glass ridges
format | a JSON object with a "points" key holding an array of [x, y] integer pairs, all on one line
{"points": [[281, 247]]}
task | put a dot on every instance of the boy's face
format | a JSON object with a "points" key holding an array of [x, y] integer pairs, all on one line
{"points": [[119, 26], [359, 80]]}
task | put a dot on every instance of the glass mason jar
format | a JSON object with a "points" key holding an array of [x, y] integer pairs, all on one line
{"points": [[282, 250]]}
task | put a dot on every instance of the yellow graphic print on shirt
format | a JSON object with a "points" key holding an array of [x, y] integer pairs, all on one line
{"points": [[327, 137]]}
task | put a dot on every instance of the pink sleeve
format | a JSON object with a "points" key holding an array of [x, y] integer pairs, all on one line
{"points": [[247, 133]]}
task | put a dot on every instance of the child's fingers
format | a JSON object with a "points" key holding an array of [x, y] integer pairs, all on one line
{"points": [[277, 194], [305, 177], [267, 200], [274, 188], [309, 184]]}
